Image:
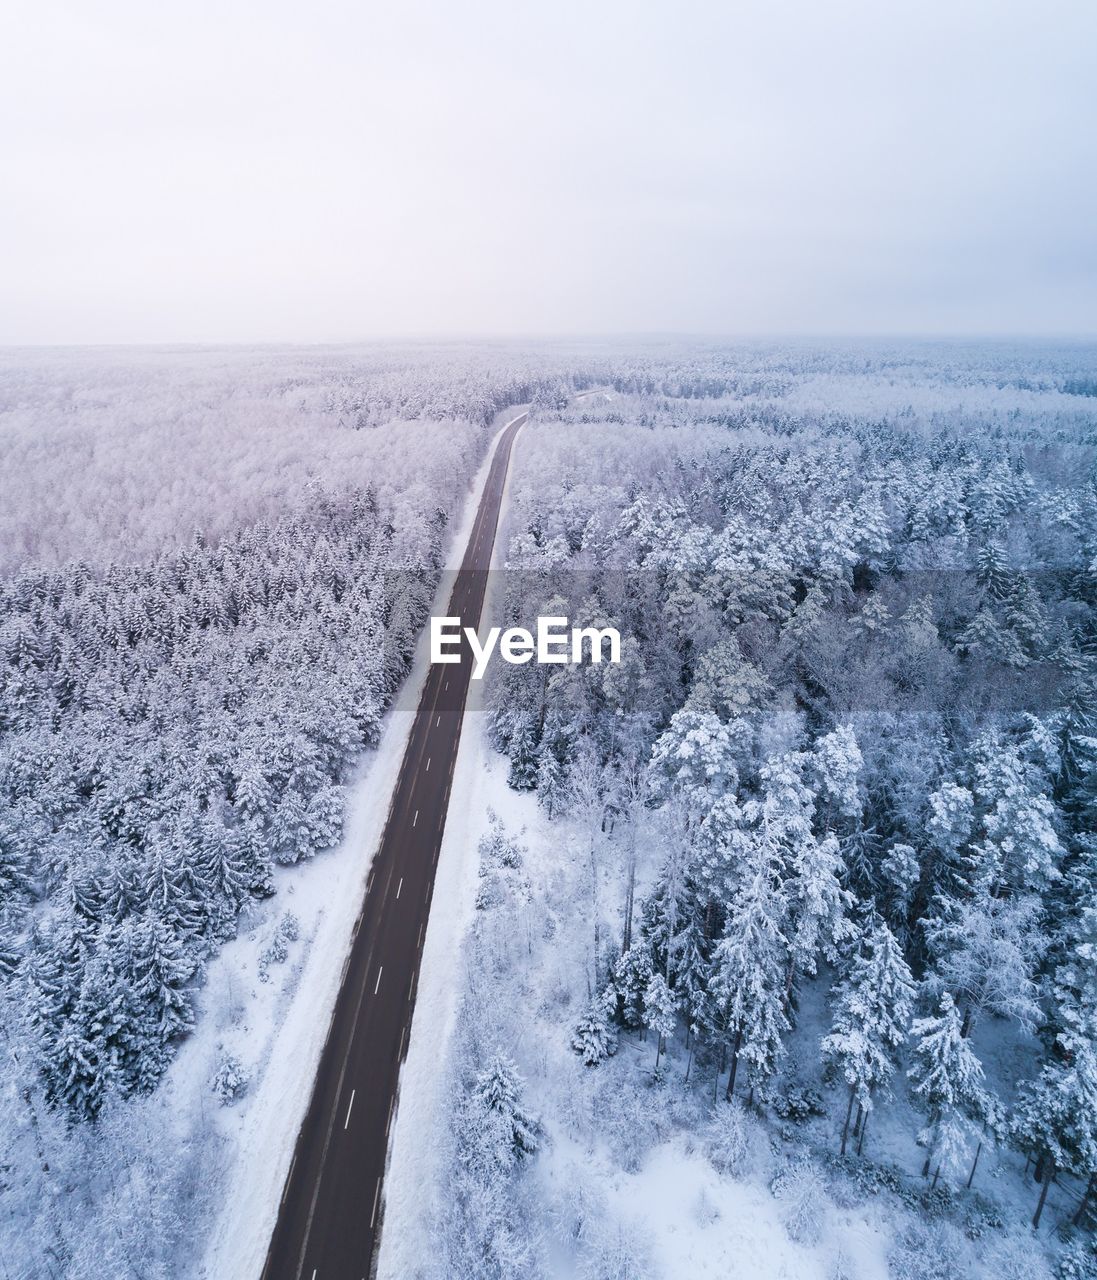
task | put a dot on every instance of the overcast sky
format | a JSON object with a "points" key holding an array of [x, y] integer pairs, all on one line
{"points": [[255, 171]]}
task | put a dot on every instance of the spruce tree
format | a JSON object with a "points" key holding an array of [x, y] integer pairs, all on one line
{"points": [[948, 1080], [871, 1016], [498, 1092]]}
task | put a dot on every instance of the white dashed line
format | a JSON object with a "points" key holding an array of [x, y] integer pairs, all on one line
{"points": [[416, 818], [349, 1105], [373, 1215], [427, 769], [377, 984], [399, 886]]}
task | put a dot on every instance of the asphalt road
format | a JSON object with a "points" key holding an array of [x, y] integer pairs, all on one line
{"points": [[330, 1216]]}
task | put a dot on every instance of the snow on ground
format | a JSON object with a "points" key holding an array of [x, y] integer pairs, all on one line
{"points": [[277, 1028], [704, 1225]]}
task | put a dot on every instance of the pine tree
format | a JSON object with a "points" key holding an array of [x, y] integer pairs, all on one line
{"points": [[817, 904], [595, 1036], [1056, 1114], [551, 781], [1019, 845], [524, 762], [291, 835], [631, 975], [749, 965], [985, 636], [695, 759], [948, 1079], [992, 570], [986, 951], [871, 1016], [660, 1012], [949, 825], [498, 1092], [809, 868], [324, 818]]}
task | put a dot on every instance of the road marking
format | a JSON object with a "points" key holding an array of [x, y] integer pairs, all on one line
{"points": [[349, 1105], [399, 886], [377, 984], [445, 686], [473, 592], [427, 769], [392, 1104], [421, 928], [437, 721], [416, 818], [403, 1033]]}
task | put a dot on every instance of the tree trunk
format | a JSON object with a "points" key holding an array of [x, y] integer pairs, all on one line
{"points": [[925, 1167], [594, 906], [1077, 1219], [857, 1121], [790, 978], [658, 1051], [861, 1139], [734, 1064], [849, 1112], [975, 1163], [936, 1175], [689, 1064], [1048, 1180], [1041, 1161], [629, 896]]}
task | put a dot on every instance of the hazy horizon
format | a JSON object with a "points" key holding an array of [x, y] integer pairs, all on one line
{"points": [[259, 175]]}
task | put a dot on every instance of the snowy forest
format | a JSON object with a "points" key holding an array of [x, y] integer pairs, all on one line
{"points": [[800, 898], [217, 567], [783, 954]]}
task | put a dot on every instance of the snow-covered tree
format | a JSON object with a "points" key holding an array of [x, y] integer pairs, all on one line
{"points": [[986, 951], [749, 968], [513, 1133], [871, 1019], [660, 1012], [947, 1078], [595, 1037]]}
